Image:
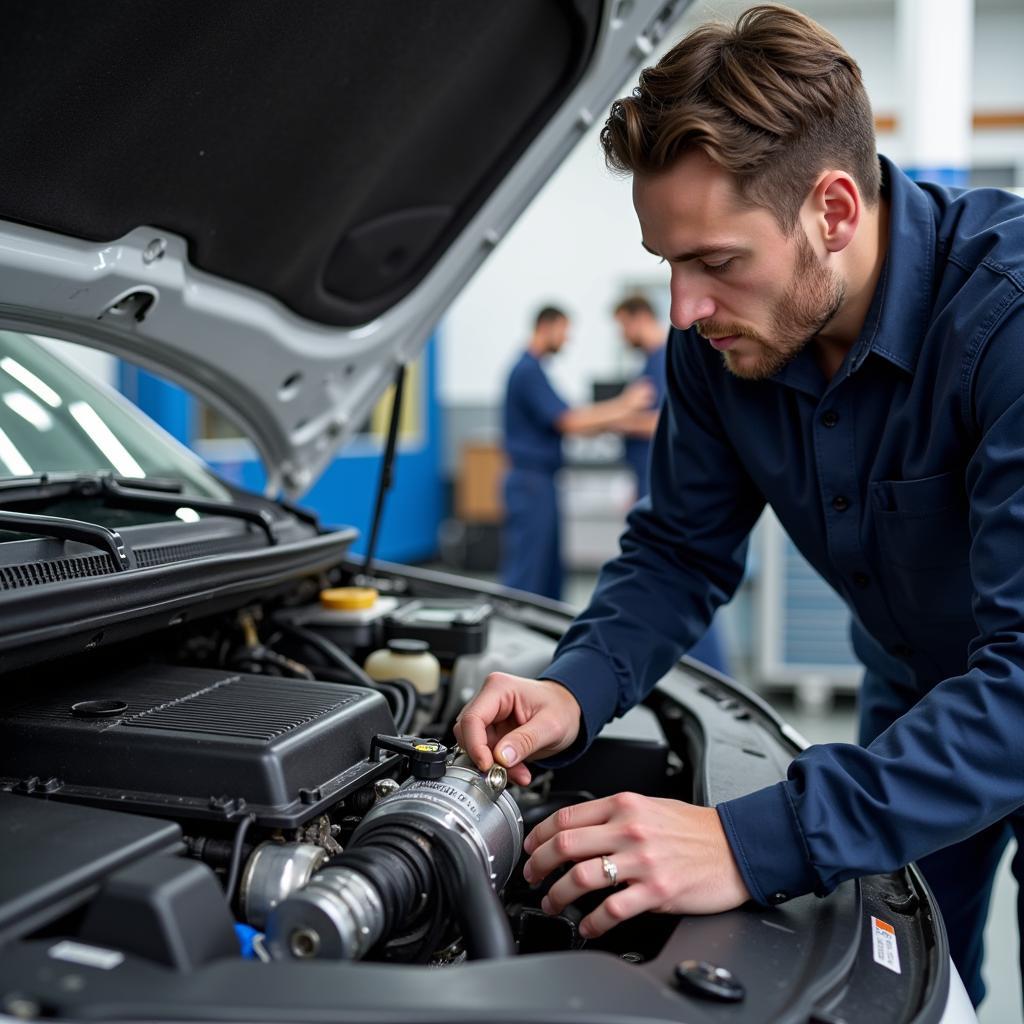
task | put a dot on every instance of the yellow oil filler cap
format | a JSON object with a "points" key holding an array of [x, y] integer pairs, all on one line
{"points": [[348, 599]]}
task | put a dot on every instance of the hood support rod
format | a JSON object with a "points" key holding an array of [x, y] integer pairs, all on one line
{"points": [[386, 469]]}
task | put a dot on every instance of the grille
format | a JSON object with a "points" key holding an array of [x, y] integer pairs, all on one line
{"points": [[245, 708], [197, 549], [32, 574], [59, 570]]}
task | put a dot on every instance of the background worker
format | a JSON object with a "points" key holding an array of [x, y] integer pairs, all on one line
{"points": [[642, 330], [847, 349], [535, 418]]}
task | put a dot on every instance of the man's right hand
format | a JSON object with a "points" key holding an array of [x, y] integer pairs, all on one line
{"points": [[512, 719], [638, 396]]}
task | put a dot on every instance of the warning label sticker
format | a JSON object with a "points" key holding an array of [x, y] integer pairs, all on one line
{"points": [[88, 956], [883, 937]]}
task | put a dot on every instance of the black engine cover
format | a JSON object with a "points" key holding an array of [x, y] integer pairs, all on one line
{"points": [[191, 742]]}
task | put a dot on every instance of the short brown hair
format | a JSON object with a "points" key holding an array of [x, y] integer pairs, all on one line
{"points": [[773, 99], [549, 315], [633, 304]]}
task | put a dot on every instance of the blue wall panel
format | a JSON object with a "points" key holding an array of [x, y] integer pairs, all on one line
{"points": [[345, 493]]}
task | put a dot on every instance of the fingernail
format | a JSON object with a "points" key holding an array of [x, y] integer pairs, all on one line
{"points": [[584, 930], [508, 755], [545, 905]]}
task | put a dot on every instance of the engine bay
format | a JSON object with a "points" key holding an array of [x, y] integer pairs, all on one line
{"points": [[329, 808], [201, 821]]}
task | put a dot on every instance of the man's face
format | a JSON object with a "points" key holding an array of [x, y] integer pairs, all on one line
{"points": [[631, 325], [758, 295], [556, 334]]}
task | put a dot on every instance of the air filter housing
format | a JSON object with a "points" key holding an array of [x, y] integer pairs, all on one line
{"points": [[191, 742]]}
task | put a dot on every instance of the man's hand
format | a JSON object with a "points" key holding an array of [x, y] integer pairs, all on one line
{"points": [[673, 856], [637, 396], [512, 719]]}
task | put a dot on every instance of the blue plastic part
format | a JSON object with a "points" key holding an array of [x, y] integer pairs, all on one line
{"points": [[246, 933]]}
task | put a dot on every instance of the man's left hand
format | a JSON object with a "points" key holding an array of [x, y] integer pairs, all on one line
{"points": [[673, 857]]}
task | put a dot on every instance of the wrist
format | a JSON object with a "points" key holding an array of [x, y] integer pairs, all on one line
{"points": [[569, 709]]}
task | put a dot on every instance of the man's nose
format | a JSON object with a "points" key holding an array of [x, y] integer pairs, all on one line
{"points": [[690, 304]]}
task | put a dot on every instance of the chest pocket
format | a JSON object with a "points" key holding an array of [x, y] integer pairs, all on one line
{"points": [[925, 540]]}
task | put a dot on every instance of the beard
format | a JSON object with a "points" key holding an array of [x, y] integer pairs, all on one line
{"points": [[812, 298]]}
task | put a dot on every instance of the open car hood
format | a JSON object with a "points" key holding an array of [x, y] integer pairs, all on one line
{"points": [[273, 209]]}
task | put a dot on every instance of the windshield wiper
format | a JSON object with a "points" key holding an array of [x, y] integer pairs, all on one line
{"points": [[148, 494], [117, 494], [59, 485], [96, 536]]}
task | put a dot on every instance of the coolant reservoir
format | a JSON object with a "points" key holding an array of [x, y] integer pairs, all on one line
{"points": [[351, 617], [406, 659]]}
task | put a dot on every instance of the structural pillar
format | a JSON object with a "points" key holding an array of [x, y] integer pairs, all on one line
{"points": [[935, 45]]}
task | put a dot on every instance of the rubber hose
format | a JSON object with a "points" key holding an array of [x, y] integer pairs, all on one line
{"points": [[482, 918]]}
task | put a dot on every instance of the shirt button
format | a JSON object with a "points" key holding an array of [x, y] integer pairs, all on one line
{"points": [[840, 503], [830, 418], [862, 579]]}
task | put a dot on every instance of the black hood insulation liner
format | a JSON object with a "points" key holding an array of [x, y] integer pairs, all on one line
{"points": [[326, 155]]}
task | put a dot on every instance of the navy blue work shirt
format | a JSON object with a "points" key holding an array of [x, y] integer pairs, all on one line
{"points": [[638, 449], [532, 408], [901, 481]]}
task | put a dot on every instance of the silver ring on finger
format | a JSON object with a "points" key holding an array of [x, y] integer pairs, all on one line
{"points": [[611, 871]]}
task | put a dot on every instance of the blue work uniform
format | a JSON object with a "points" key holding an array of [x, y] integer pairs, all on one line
{"points": [[709, 648], [531, 557], [901, 480], [638, 449]]}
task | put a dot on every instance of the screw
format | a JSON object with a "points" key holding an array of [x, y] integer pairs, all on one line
{"points": [[154, 251]]}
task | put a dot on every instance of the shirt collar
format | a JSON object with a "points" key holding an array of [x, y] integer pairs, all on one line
{"points": [[897, 318]]}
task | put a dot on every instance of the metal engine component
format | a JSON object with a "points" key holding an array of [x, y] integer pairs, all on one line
{"points": [[341, 914], [472, 803], [338, 916], [273, 873]]}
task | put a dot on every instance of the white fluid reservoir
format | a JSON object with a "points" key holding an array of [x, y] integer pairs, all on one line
{"points": [[406, 659]]}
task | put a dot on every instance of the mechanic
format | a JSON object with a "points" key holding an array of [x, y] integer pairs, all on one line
{"points": [[846, 348], [641, 329], [535, 418]]}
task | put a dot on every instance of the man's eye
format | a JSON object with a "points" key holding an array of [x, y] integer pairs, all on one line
{"points": [[717, 268]]}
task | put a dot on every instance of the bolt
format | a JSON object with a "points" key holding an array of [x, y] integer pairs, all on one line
{"points": [[384, 788]]}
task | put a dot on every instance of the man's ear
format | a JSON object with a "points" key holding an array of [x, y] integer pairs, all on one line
{"points": [[834, 208]]}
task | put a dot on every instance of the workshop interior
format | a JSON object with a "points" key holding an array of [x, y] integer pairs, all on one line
{"points": [[268, 273]]}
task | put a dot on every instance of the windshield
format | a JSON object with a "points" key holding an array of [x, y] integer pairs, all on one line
{"points": [[54, 420]]}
